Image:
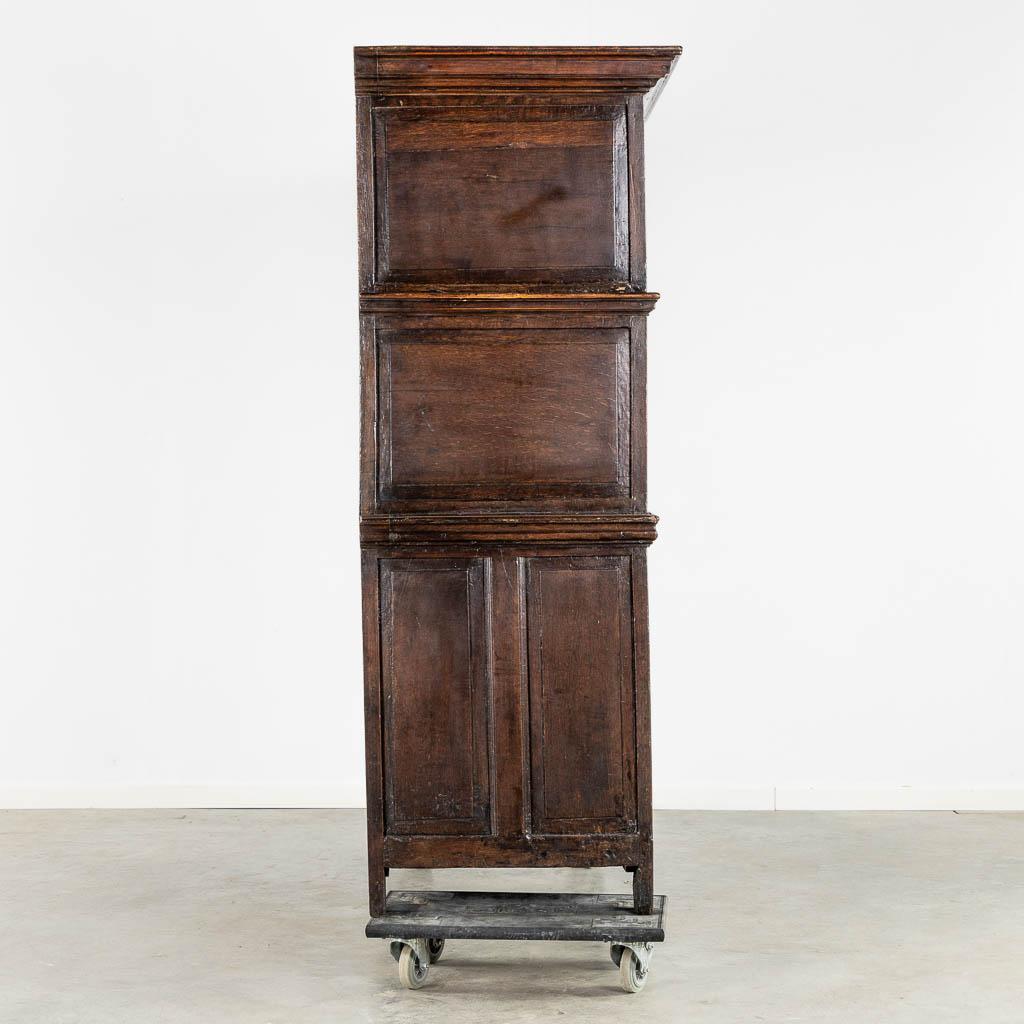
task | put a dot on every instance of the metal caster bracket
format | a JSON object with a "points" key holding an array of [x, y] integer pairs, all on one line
{"points": [[421, 947], [643, 951]]}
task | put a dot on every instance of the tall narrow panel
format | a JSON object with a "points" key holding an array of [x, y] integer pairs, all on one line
{"points": [[582, 700], [435, 699]]}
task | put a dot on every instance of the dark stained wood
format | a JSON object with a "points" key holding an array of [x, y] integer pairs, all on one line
{"points": [[522, 851], [503, 519], [643, 877], [583, 917], [365, 212], [638, 411], [512, 414], [552, 181], [519, 547], [374, 739], [525, 528], [508, 70], [506, 608], [636, 232], [436, 696], [467, 411], [582, 699], [450, 302], [367, 413]]}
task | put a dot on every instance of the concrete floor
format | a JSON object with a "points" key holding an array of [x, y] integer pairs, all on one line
{"points": [[256, 917]]}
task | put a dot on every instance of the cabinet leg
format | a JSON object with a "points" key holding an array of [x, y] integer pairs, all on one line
{"points": [[643, 887], [378, 886]]}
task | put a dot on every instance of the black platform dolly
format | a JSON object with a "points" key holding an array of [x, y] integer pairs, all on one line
{"points": [[416, 924]]}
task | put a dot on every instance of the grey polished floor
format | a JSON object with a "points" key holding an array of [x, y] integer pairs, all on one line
{"points": [[256, 917]]}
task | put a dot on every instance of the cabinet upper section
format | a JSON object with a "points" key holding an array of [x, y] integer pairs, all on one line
{"points": [[503, 168]]}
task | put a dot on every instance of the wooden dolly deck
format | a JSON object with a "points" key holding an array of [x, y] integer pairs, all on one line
{"points": [[417, 924]]}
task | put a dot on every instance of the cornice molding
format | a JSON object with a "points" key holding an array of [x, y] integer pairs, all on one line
{"points": [[398, 70]]}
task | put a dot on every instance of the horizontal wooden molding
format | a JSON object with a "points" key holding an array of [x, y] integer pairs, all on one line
{"points": [[560, 851], [447, 303], [583, 528], [398, 70]]}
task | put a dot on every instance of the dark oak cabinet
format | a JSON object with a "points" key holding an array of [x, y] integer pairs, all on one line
{"points": [[503, 514]]}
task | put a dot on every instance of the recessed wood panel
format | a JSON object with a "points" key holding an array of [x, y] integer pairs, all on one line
{"points": [[435, 691], [582, 695], [503, 193], [503, 415]]}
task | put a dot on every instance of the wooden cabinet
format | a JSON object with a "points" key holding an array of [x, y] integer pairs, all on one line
{"points": [[503, 514]]}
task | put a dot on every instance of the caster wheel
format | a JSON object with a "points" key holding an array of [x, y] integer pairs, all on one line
{"points": [[632, 976], [436, 947], [412, 972], [616, 954]]}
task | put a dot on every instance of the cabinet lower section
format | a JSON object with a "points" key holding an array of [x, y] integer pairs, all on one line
{"points": [[507, 709]]}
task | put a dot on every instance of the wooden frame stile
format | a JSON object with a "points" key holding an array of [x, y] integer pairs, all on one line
{"points": [[643, 870], [376, 869]]}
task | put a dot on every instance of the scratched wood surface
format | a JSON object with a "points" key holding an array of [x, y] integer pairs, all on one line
{"points": [[503, 915]]}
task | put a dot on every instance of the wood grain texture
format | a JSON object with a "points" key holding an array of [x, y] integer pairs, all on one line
{"points": [[373, 705], [505, 413], [446, 301], [398, 70], [436, 691], [551, 181], [525, 851], [524, 528], [503, 434], [582, 698], [636, 232], [643, 876], [468, 412], [506, 607]]}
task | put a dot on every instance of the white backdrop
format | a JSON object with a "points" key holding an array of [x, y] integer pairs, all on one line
{"points": [[835, 398]]}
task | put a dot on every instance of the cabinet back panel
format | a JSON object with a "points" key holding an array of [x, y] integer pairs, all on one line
{"points": [[435, 700], [504, 415], [502, 194]]}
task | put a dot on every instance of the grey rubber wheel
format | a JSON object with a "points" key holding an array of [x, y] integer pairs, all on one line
{"points": [[632, 976], [412, 972]]}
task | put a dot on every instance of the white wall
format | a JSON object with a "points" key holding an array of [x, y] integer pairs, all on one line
{"points": [[836, 415]]}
